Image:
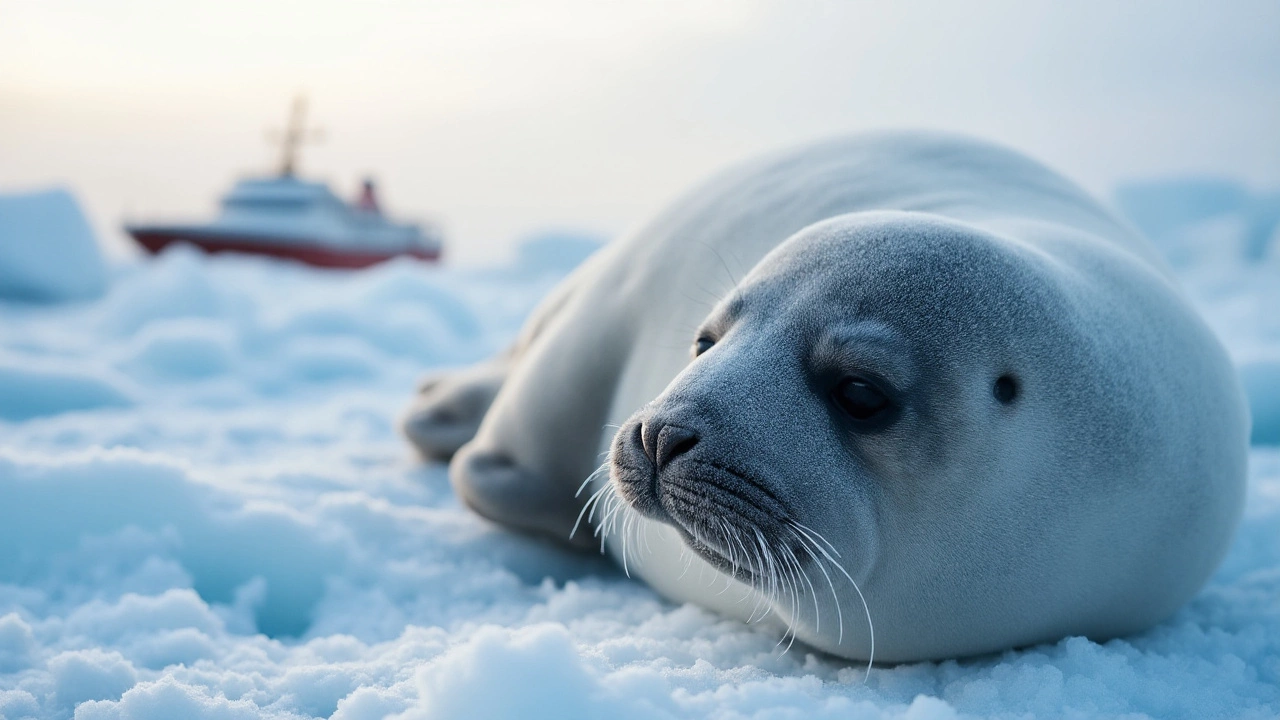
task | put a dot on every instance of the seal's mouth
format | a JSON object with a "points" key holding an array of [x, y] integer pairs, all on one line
{"points": [[729, 520]]}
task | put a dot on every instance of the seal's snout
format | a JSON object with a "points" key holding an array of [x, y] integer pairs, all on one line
{"points": [[634, 470], [646, 450], [664, 442], [672, 466]]}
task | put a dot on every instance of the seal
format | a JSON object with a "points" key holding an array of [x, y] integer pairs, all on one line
{"points": [[939, 403]]}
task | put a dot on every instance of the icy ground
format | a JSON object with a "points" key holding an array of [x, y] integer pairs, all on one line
{"points": [[206, 512]]}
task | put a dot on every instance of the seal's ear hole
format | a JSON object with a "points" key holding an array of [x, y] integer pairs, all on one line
{"points": [[1006, 389]]}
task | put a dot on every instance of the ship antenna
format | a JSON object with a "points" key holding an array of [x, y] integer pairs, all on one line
{"points": [[293, 136]]}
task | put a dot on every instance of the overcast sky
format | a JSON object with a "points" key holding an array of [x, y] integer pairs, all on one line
{"points": [[502, 118]]}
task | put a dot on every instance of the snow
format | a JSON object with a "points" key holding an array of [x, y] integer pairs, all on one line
{"points": [[1224, 240], [1261, 381], [206, 512], [47, 249], [1189, 216]]}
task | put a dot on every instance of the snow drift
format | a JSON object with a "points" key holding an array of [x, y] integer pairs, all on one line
{"points": [[47, 249], [1196, 219]]}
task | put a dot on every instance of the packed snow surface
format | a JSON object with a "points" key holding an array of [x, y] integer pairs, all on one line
{"points": [[206, 513], [47, 249]]}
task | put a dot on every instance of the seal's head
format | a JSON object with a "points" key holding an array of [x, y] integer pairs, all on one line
{"points": [[918, 408]]}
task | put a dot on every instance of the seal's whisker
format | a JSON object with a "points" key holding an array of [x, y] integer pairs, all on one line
{"points": [[702, 569], [737, 538], [794, 586], [768, 578], [795, 600], [609, 521], [870, 627], [746, 557], [817, 613], [588, 508], [799, 580], [738, 553], [603, 467], [628, 526], [625, 570], [702, 303], [769, 572], [608, 517], [793, 579], [757, 585], [788, 627], [784, 582], [598, 503], [733, 280], [834, 595], [775, 577], [633, 532], [733, 554], [815, 533], [589, 502], [615, 517]]}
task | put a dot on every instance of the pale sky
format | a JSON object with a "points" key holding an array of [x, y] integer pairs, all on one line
{"points": [[502, 118]]}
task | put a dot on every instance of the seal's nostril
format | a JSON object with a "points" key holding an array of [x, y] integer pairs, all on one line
{"points": [[648, 441], [673, 441]]}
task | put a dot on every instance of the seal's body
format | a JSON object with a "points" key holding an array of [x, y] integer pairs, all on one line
{"points": [[927, 373]]}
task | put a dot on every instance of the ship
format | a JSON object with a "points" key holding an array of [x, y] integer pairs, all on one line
{"points": [[288, 217]]}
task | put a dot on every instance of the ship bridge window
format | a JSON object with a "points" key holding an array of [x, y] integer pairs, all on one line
{"points": [[265, 203]]}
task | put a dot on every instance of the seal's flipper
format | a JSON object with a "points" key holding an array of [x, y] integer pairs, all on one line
{"points": [[492, 485], [446, 412], [448, 408]]}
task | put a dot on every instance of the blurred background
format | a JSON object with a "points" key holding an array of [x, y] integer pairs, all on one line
{"points": [[497, 119]]}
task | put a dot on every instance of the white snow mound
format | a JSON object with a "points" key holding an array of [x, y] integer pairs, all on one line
{"points": [[48, 251]]}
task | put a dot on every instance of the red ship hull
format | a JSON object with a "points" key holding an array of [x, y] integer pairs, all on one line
{"points": [[156, 240]]}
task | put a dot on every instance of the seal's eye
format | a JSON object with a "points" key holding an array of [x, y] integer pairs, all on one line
{"points": [[702, 345], [860, 398]]}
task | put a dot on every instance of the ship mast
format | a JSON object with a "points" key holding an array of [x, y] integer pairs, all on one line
{"points": [[293, 136]]}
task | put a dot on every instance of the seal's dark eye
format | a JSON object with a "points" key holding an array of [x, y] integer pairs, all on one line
{"points": [[702, 345], [860, 398]]}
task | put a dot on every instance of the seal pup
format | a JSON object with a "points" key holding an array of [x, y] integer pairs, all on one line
{"points": [[939, 403]]}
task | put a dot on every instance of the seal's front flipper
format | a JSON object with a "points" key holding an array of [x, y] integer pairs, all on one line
{"points": [[492, 485], [446, 412]]}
